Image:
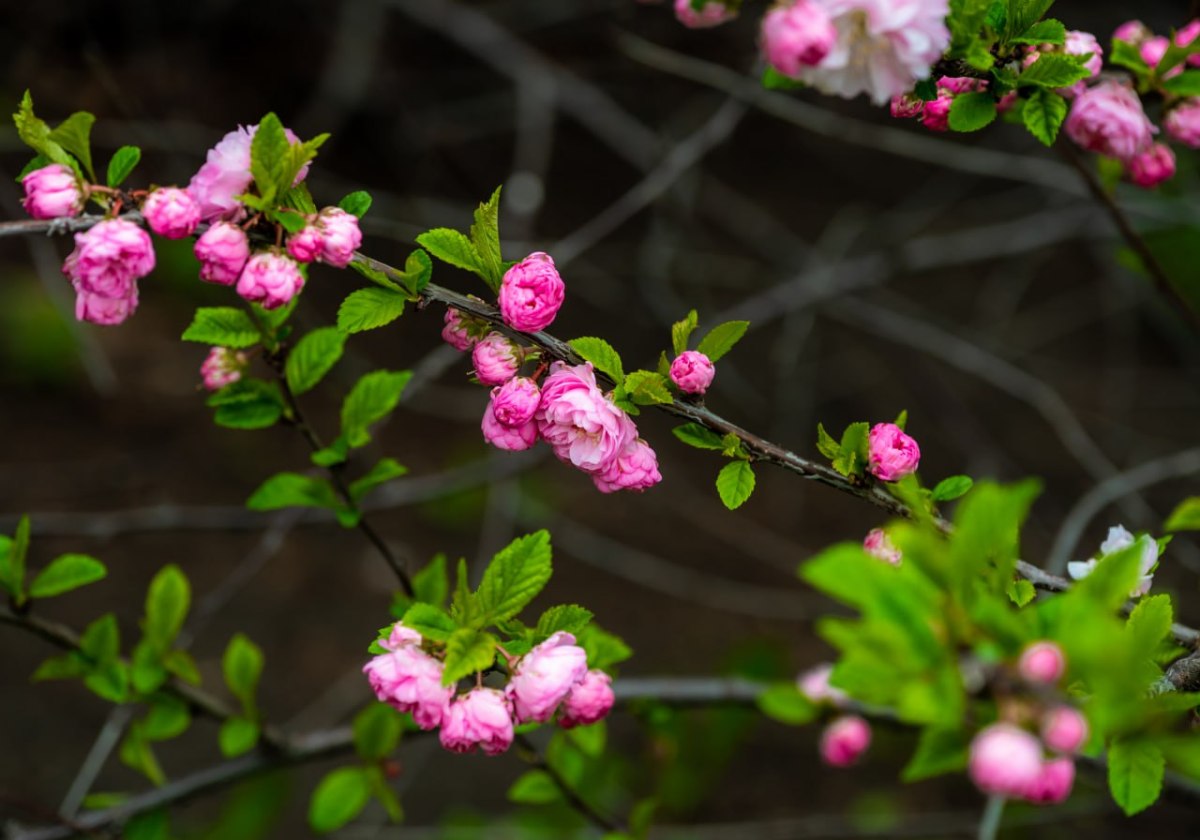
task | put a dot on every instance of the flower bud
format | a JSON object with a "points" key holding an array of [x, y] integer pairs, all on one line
{"points": [[1109, 119], [479, 718], [795, 36], [936, 114], [171, 212], [1052, 784], [52, 192], [1132, 31], [222, 251], [692, 372], [544, 676], [222, 367], [878, 545], [844, 740], [1005, 760], [306, 244], [1064, 729], [340, 236], [907, 105], [814, 684], [635, 468], [455, 332], [1152, 167], [712, 13], [515, 402], [105, 311], [1042, 662], [400, 636], [588, 702], [531, 293], [1183, 123], [270, 279], [104, 268], [892, 454], [502, 436], [496, 358], [410, 680]]}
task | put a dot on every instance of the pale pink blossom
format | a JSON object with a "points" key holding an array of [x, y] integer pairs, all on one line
{"points": [[171, 212], [52, 192], [306, 244], [844, 740], [892, 454], [531, 293], [400, 636], [635, 469], [515, 402], [1119, 539], [497, 359], [814, 684], [797, 35], [1064, 729], [878, 545], [222, 366], [1152, 167], [340, 236], [712, 13], [480, 718], [1183, 123], [580, 423], [455, 332], [1132, 31], [1005, 760], [226, 175], [509, 438], [222, 251], [588, 702], [1042, 662], [1109, 119], [1052, 784], [692, 372], [410, 680], [544, 676], [270, 279]]}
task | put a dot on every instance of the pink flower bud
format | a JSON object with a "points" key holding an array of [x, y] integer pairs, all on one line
{"points": [[400, 636], [544, 676], [1064, 729], [1132, 31], [497, 359], [1109, 119], [52, 192], [936, 114], [961, 84], [1006, 102], [1005, 760], [456, 332], [106, 311], [907, 105], [1053, 783], [222, 250], [110, 258], [410, 680], [1153, 49], [587, 702], [306, 244], [480, 718], [795, 36], [1152, 167], [171, 212], [814, 684], [878, 545], [844, 740], [1183, 123], [509, 438], [270, 279], [531, 293], [892, 453], [712, 13], [580, 423], [692, 372], [222, 367], [635, 469], [1042, 662], [515, 402], [340, 235]]}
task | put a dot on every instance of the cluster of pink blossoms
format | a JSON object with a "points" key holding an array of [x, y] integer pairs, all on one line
{"points": [[551, 678], [567, 410], [847, 737], [222, 367]]}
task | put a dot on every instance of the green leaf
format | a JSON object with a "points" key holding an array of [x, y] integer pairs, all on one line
{"points": [[291, 221], [485, 238], [515, 576], [1049, 31], [384, 471], [167, 602], [357, 203], [377, 731], [952, 488], [534, 787], [223, 326], [452, 247], [269, 153], [35, 134], [181, 664], [852, 457], [368, 309], [785, 703], [468, 650], [13, 556], [1023, 14], [1020, 592], [312, 358], [972, 111], [298, 154], [290, 489], [242, 666], [722, 338], [826, 444], [372, 398], [101, 640], [70, 571], [135, 752], [237, 736], [604, 649], [150, 825], [1054, 70], [74, 134], [168, 718], [1125, 54], [418, 268], [647, 388], [1135, 774], [682, 330], [1149, 623], [735, 483], [939, 751], [965, 21], [65, 667], [432, 583], [1185, 517], [339, 798], [570, 618], [602, 356], [109, 681], [700, 437], [1043, 115], [146, 667], [430, 621], [247, 404]]}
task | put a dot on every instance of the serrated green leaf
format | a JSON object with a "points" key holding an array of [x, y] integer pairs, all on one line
{"points": [[371, 399], [1135, 774], [949, 489], [368, 309], [645, 387], [288, 489], [1023, 14], [570, 618], [454, 248], [722, 338], [237, 736], [700, 437], [939, 751], [1049, 31], [1054, 70], [356, 203], [291, 221], [852, 457], [35, 133], [74, 134], [515, 576], [313, 357], [223, 326], [384, 471], [534, 787], [242, 667], [485, 238], [604, 649], [965, 21], [269, 153], [1150, 623], [681, 331], [1186, 516], [430, 621], [339, 798], [70, 571], [972, 111], [467, 651], [256, 407], [735, 483], [377, 731], [826, 444], [167, 601], [1020, 592], [785, 703], [601, 354], [432, 583]]}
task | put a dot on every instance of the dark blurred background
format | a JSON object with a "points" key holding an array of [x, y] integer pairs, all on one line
{"points": [[969, 280]]}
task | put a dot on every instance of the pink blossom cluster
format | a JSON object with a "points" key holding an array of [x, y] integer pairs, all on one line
{"points": [[552, 678], [935, 114]]}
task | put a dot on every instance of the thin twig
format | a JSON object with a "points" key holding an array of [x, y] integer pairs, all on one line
{"points": [[534, 758], [993, 812]]}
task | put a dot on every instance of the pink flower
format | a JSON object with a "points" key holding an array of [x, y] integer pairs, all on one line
{"points": [[1132, 31], [171, 212], [1064, 729], [479, 718], [635, 468], [544, 676], [589, 701], [814, 684], [692, 372], [961, 84], [222, 367], [936, 116], [109, 259], [844, 740], [1042, 662], [340, 236], [106, 311], [580, 423], [456, 333], [1083, 43], [531, 293], [410, 680], [883, 47], [1109, 119], [1153, 49], [270, 279], [510, 438], [226, 174], [878, 545], [1053, 783], [1183, 123], [1152, 167], [712, 13], [796, 36], [497, 359], [52, 192], [892, 453], [515, 402], [1005, 760], [906, 105], [222, 250], [401, 636], [306, 244]]}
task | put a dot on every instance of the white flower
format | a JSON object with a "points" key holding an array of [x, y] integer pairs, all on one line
{"points": [[1119, 539]]}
